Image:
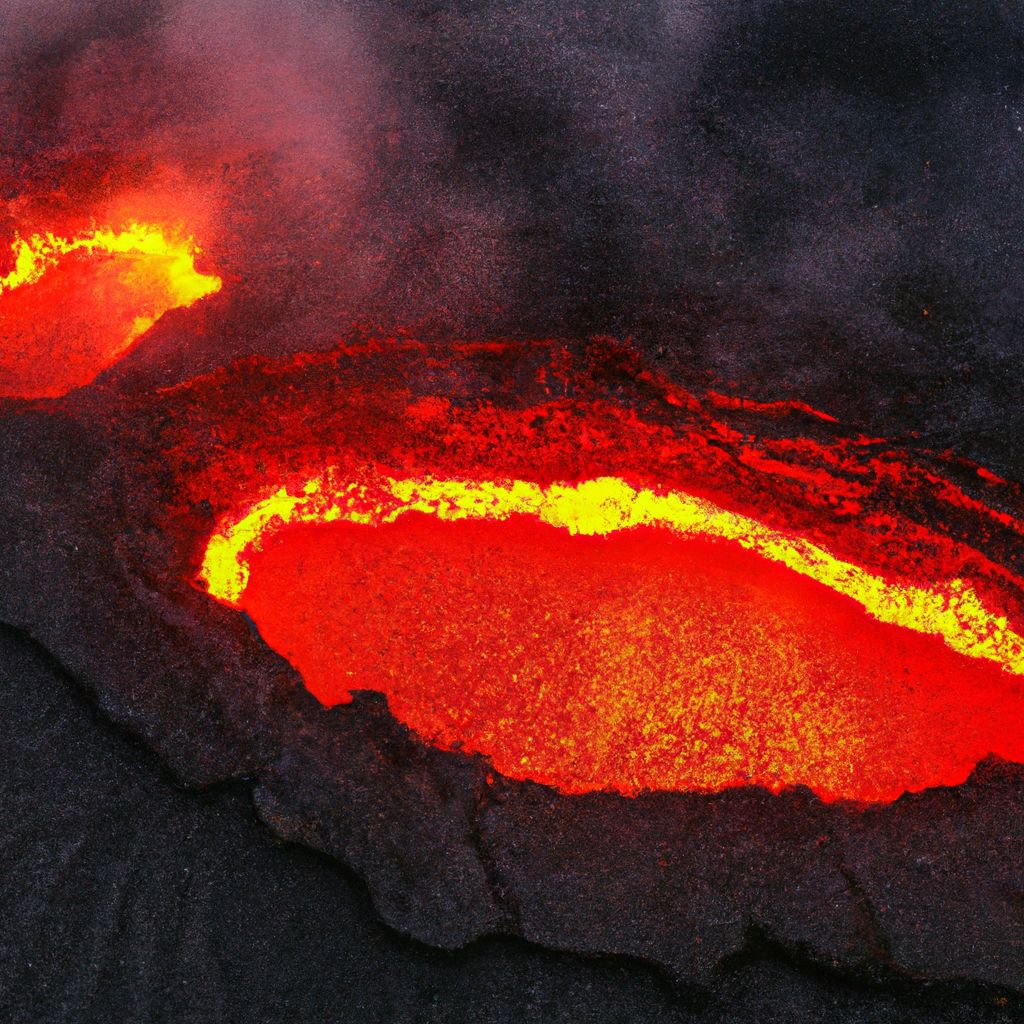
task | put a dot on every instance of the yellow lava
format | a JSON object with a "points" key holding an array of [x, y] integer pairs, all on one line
{"points": [[34, 256], [950, 610]]}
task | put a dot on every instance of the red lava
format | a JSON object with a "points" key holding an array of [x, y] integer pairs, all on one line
{"points": [[632, 661]]}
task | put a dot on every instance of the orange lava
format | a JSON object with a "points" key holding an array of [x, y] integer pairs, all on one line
{"points": [[626, 656], [70, 307]]}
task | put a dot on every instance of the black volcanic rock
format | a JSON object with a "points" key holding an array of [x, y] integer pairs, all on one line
{"points": [[927, 888], [127, 898], [781, 199]]}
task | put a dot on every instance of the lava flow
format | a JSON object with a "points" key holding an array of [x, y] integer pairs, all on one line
{"points": [[71, 307], [596, 635]]}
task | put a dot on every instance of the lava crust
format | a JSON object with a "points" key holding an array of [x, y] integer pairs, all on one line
{"points": [[111, 498]]}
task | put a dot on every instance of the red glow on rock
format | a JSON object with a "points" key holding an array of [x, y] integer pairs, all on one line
{"points": [[637, 657], [781, 408], [628, 662], [71, 307]]}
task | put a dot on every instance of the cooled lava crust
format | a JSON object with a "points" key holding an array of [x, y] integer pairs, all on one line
{"points": [[110, 500]]}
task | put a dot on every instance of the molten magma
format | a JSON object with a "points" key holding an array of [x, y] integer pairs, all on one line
{"points": [[601, 636], [70, 307]]}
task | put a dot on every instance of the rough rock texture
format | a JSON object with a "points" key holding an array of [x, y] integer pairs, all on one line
{"points": [[928, 888], [127, 898], [771, 193], [780, 199]]}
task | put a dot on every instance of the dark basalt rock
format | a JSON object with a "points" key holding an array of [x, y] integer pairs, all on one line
{"points": [[930, 887], [779, 199], [128, 898]]}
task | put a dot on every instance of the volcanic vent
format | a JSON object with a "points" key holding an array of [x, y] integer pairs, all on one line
{"points": [[70, 307], [596, 635], [679, 648], [553, 567]]}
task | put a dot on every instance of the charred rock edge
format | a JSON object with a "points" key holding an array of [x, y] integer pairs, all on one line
{"points": [[758, 946], [306, 800], [927, 888], [875, 960]]}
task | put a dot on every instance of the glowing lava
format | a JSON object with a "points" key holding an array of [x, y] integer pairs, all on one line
{"points": [[601, 636], [70, 307]]}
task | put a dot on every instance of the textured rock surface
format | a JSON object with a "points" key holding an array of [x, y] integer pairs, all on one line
{"points": [[127, 898], [780, 199], [928, 888]]}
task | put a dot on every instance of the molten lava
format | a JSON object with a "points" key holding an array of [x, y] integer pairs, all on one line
{"points": [[603, 636], [70, 307]]}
